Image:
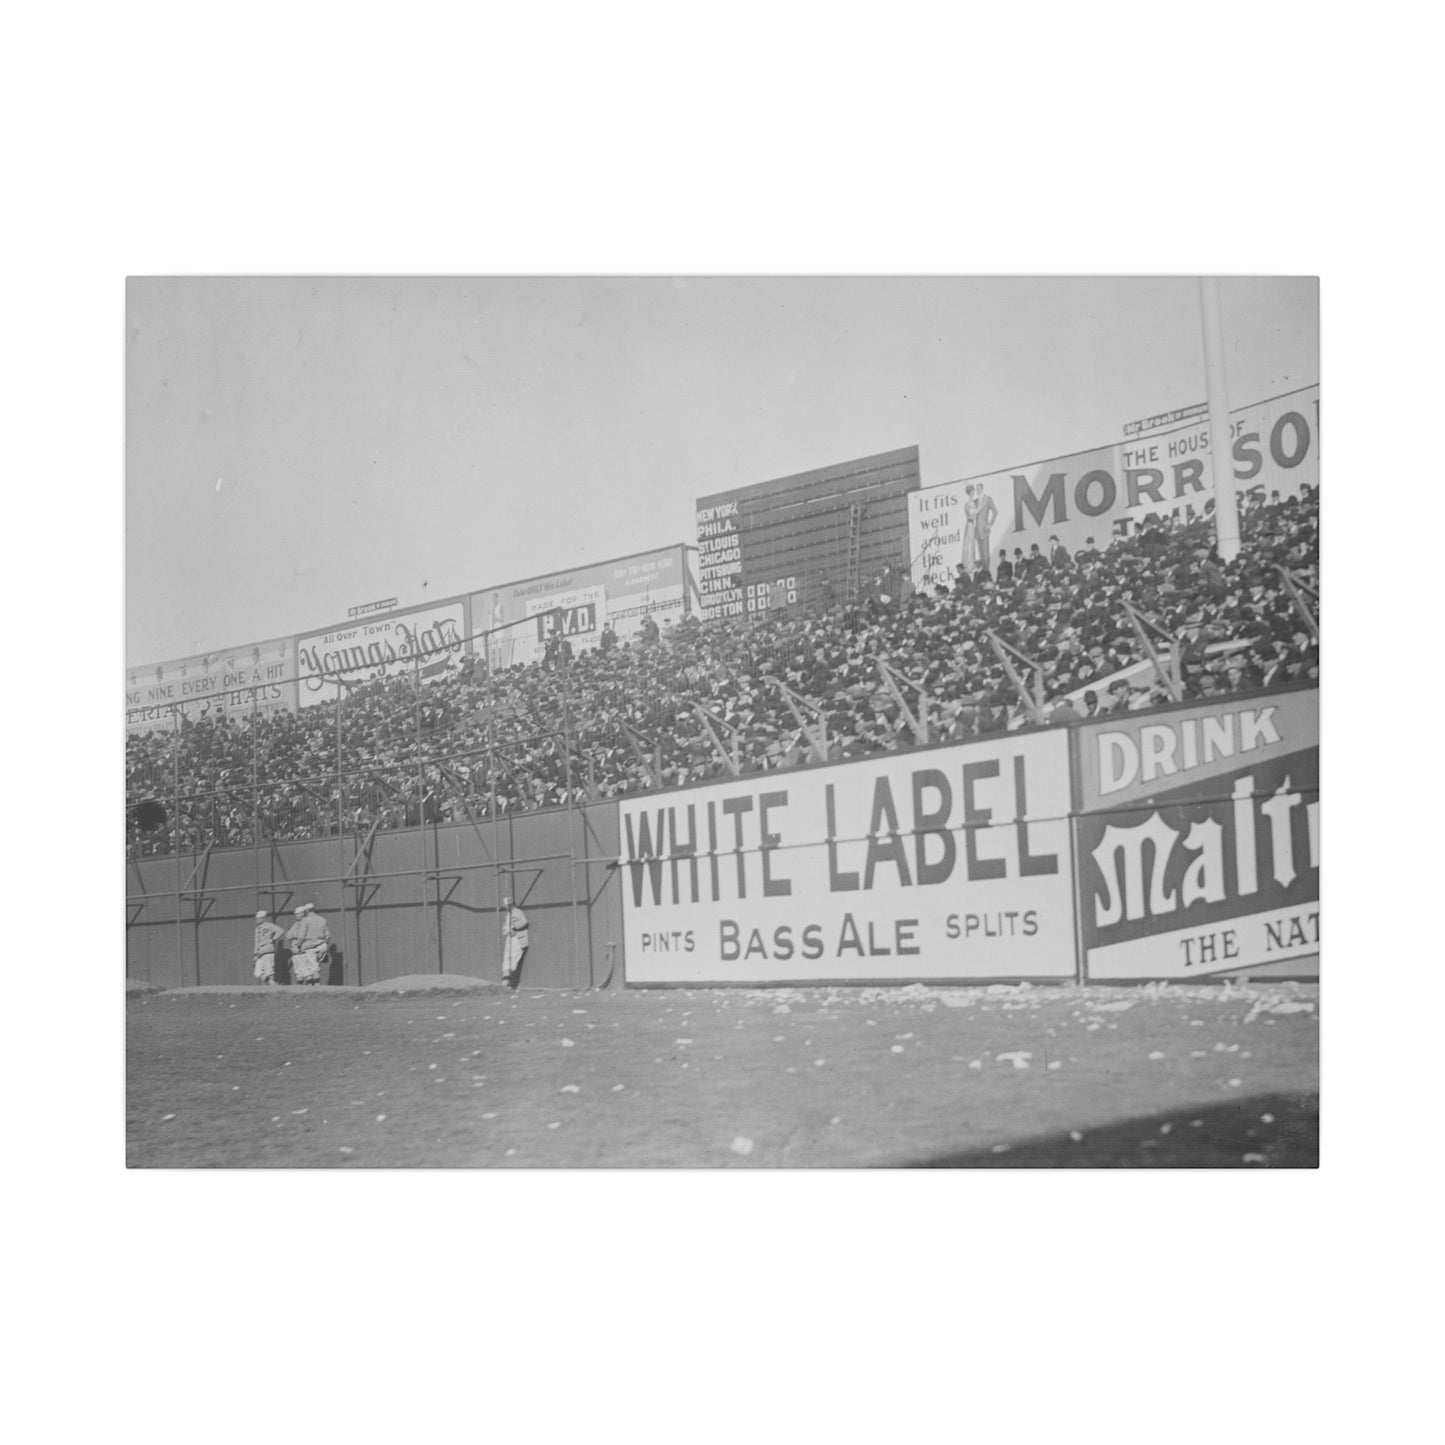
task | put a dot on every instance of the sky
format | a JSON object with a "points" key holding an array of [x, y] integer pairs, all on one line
{"points": [[296, 447]]}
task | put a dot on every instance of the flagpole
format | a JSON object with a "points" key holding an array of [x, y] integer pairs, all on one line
{"points": [[1226, 507]]}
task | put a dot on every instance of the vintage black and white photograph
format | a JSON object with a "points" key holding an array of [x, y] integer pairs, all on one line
{"points": [[722, 722]]}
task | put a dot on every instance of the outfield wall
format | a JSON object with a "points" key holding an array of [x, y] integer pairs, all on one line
{"points": [[1178, 843], [1174, 844], [1198, 839], [941, 864], [421, 901]]}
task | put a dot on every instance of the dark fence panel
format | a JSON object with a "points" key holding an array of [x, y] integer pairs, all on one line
{"points": [[409, 902]]}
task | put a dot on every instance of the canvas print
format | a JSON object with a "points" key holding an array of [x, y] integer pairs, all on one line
{"points": [[722, 722]]}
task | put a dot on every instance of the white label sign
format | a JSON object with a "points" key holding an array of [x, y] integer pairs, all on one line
{"points": [[952, 863]]}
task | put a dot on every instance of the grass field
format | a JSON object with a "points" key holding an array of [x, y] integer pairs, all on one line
{"points": [[1204, 1076]]}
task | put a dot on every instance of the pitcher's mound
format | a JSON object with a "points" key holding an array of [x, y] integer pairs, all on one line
{"points": [[430, 983]]}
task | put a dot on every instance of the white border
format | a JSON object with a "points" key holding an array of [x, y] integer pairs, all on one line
{"points": [[1123, 138]]}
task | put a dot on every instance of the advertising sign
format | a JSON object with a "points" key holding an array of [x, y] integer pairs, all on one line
{"points": [[948, 863], [578, 615], [240, 680], [1108, 491], [383, 604], [1166, 418], [425, 640], [1199, 838], [652, 585], [622, 593]]}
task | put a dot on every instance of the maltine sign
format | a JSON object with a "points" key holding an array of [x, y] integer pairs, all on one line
{"points": [[1199, 840]]}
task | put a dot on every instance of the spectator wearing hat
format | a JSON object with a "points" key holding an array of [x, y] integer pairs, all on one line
{"points": [[1064, 712], [1117, 699], [559, 650], [1072, 623], [1058, 554], [1273, 658], [1212, 571], [268, 935]]}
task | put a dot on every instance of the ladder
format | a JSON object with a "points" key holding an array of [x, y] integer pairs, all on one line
{"points": [[855, 551]]}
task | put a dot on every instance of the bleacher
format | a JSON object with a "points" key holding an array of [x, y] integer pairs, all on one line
{"points": [[1153, 619]]}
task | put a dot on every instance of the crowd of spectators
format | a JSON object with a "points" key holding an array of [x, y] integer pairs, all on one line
{"points": [[622, 718]]}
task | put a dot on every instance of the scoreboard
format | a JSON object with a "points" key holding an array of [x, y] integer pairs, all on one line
{"points": [[814, 539]]}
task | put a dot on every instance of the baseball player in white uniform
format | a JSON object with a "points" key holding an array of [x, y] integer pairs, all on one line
{"points": [[514, 942]]}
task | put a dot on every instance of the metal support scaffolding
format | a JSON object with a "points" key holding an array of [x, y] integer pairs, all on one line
{"points": [[426, 918], [729, 755], [571, 808], [1031, 693], [816, 732], [362, 855], [652, 763], [1299, 588], [895, 682], [176, 831], [1168, 667], [203, 783], [188, 889]]}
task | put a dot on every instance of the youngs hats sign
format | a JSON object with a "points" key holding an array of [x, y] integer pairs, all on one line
{"points": [[422, 642]]}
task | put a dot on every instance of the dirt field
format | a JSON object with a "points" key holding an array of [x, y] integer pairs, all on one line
{"points": [[793, 1078]]}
